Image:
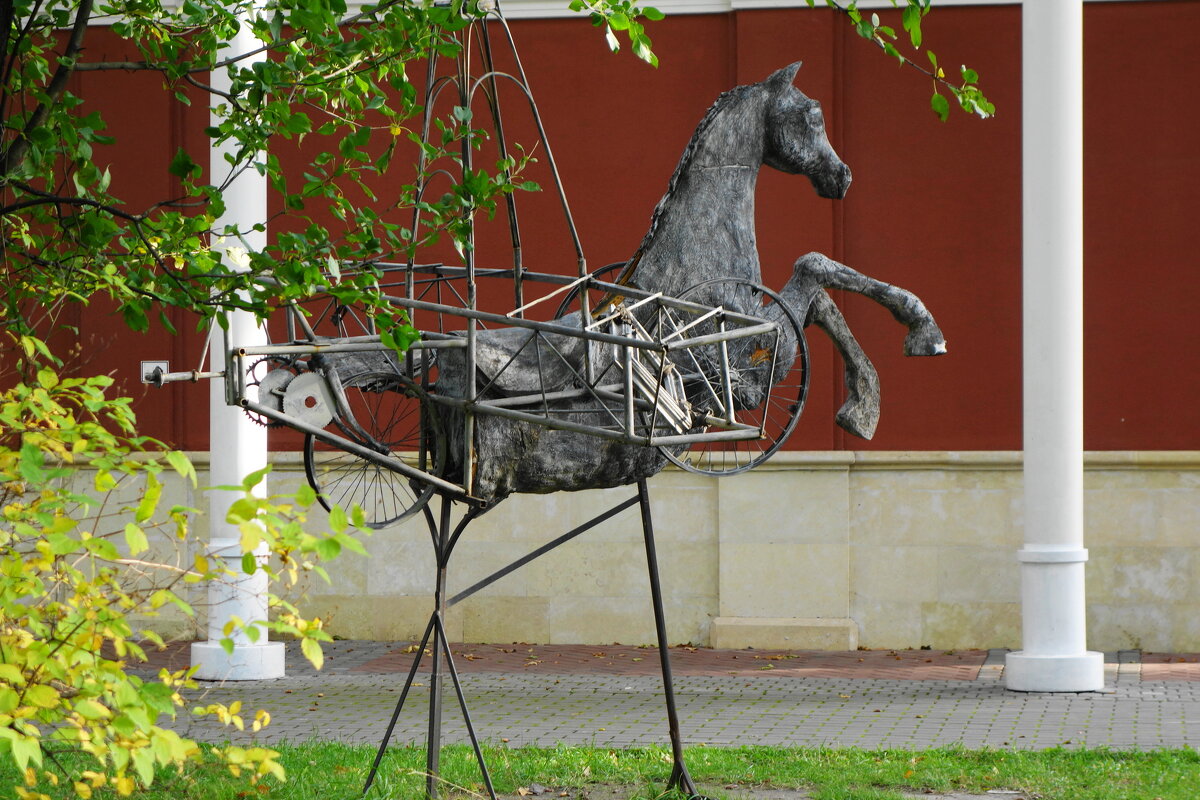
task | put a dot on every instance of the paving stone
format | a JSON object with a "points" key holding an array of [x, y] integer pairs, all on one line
{"points": [[574, 696]]}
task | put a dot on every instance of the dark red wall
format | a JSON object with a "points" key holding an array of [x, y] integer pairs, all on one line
{"points": [[934, 207]]}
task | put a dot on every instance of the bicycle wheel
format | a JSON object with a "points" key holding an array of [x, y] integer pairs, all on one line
{"points": [[767, 377], [391, 415], [570, 302]]}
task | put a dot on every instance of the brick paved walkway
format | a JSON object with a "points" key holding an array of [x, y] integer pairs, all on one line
{"points": [[698, 661], [612, 696]]}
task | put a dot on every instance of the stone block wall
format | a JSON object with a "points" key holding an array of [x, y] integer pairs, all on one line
{"points": [[827, 550]]}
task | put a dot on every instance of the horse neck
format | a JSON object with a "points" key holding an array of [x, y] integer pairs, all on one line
{"points": [[704, 225]]}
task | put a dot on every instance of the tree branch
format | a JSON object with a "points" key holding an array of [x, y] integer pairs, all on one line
{"points": [[46, 198], [15, 152]]}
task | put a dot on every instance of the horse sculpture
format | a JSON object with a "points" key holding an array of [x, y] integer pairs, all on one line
{"points": [[703, 228], [701, 252]]}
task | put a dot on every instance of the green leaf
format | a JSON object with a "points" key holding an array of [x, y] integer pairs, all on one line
{"points": [[353, 545], [135, 537], [912, 23], [60, 544], [306, 495], [653, 14], [30, 463], [104, 481], [242, 510], [327, 548], [143, 764], [255, 478], [249, 563], [42, 696], [11, 673], [337, 519], [150, 499], [90, 709], [182, 465], [26, 749], [182, 165], [298, 123], [940, 106]]}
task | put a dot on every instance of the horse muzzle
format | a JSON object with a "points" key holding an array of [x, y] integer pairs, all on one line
{"points": [[833, 183]]}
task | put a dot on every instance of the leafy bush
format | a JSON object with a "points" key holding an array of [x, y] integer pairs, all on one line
{"points": [[82, 585]]}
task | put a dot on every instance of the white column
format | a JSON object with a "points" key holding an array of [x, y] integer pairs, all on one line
{"points": [[237, 445], [1055, 656]]}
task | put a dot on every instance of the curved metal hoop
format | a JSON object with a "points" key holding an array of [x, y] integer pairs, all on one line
{"points": [[393, 416], [767, 387]]}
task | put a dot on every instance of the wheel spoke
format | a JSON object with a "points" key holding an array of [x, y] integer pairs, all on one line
{"points": [[780, 396], [388, 409]]}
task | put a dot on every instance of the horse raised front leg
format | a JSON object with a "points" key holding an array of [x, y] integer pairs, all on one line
{"points": [[859, 415], [924, 337]]}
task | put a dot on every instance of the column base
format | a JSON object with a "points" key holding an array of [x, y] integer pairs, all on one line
{"points": [[247, 662], [1027, 672]]}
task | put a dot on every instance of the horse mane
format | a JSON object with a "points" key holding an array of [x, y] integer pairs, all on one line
{"points": [[685, 163]]}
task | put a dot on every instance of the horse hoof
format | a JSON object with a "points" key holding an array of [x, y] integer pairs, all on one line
{"points": [[855, 422], [859, 419], [925, 341]]}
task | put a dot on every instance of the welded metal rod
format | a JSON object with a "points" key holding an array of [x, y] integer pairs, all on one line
{"points": [[394, 464], [730, 432], [412, 672], [339, 346], [462, 703], [679, 772], [433, 742], [541, 551]]}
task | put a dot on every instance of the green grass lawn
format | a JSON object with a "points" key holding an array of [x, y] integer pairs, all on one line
{"points": [[327, 771]]}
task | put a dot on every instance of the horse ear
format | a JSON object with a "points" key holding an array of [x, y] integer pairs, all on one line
{"points": [[781, 79]]}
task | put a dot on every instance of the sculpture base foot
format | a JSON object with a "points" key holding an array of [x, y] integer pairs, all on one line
{"points": [[1081, 672], [247, 662]]}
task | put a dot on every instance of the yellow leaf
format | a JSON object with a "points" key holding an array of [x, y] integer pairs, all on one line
{"points": [[83, 790], [12, 673], [90, 709], [125, 785], [251, 536], [42, 696], [311, 649], [135, 537]]}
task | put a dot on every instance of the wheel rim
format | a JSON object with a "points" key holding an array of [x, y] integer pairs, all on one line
{"points": [[609, 272], [391, 415], [779, 387]]}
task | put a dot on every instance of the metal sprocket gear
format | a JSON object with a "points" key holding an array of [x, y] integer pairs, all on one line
{"points": [[270, 376]]}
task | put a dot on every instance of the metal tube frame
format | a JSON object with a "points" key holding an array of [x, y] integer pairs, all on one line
{"points": [[444, 542]]}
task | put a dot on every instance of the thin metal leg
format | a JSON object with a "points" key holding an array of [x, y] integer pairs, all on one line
{"points": [[462, 703], [412, 673], [433, 742], [679, 772]]}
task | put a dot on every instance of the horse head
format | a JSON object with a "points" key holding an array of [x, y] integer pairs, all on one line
{"points": [[795, 137]]}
